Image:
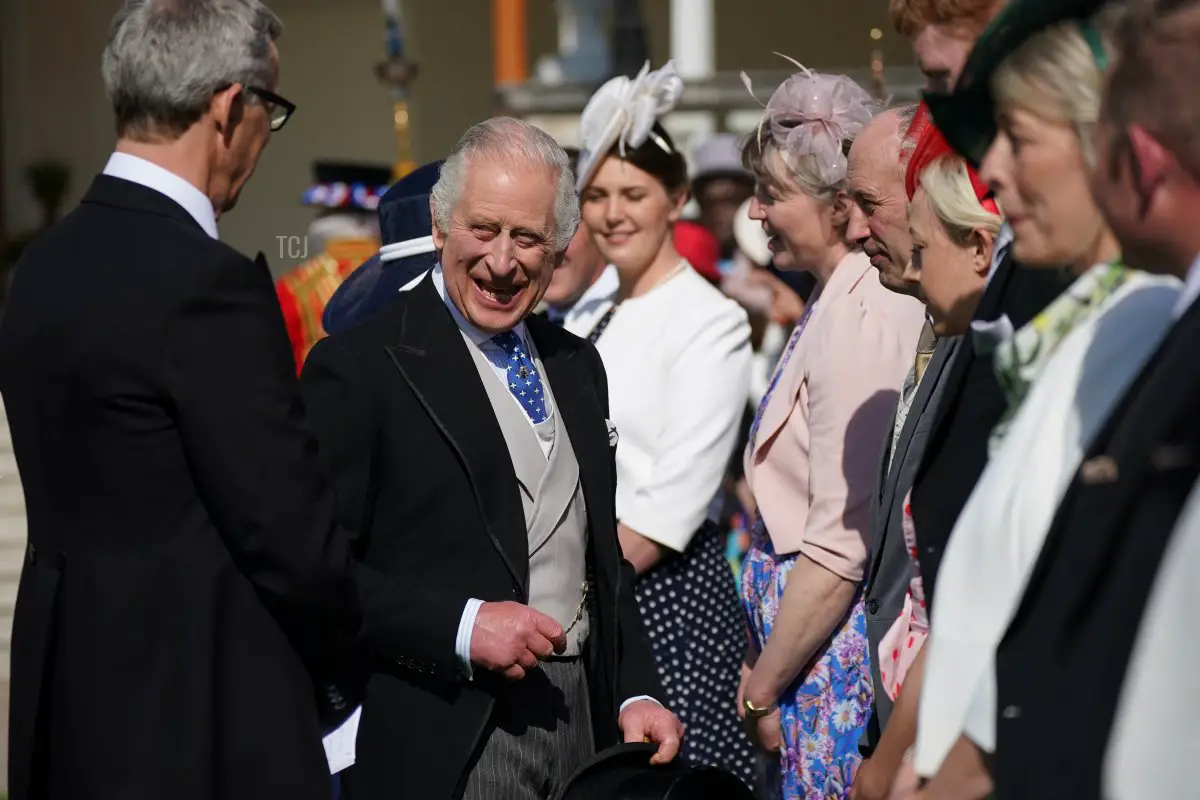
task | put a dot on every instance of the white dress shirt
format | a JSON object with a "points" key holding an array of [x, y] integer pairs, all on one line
{"points": [[1154, 741], [580, 318], [152, 176]]}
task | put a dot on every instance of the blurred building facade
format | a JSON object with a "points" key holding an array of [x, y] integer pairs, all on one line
{"points": [[52, 103]]}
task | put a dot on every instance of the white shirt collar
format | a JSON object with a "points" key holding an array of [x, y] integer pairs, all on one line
{"points": [[480, 338], [1004, 240], [1191, 289], [599, 293], [142, 172]]}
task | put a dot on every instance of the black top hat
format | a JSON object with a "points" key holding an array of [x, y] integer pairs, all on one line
{"points": [[966, 116], [624, 772]]}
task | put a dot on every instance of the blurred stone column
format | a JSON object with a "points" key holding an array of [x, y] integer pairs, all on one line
{"points": [[693, 38]]}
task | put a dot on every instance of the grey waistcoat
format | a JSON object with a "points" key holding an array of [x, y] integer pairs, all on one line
{"points": [[552, 498]]}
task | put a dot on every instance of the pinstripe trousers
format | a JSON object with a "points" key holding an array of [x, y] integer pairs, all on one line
{"points": [[542, 733]]}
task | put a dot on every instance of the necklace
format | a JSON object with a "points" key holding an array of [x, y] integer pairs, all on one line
{"points": [[602, 323]]}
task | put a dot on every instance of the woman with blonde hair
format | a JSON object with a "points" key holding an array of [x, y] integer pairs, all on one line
{"points": [[954, 221], [814, 445], [1063, 373]]}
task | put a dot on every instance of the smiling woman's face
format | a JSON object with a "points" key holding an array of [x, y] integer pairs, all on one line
{"points": [[795, 221], [629, 213]]}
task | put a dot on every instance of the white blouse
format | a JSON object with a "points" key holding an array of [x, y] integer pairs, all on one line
{"points": [[678, 363]]}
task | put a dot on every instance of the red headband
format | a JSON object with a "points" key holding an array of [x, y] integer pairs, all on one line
{"points": [[931, 146]]}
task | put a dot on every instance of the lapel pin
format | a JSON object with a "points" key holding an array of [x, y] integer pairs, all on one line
{"points": [[1098, 470]]}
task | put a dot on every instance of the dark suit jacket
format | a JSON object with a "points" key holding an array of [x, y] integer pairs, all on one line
{"points": [[179, 525], [1063, 660], [426, 484], [890, 571], [973, 403]]}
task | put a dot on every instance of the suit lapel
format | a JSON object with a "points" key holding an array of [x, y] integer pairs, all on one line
{"points": [[433, 359], [581, 414]]}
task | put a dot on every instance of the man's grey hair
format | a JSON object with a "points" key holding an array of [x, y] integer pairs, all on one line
{"points": [[501, 140], [166, 58]]}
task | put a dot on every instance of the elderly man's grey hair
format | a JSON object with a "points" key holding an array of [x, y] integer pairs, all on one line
{"points": [[503, 140], [166, 58]]}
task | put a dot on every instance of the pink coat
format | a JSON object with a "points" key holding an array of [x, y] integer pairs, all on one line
{"points": [[812, 467]]}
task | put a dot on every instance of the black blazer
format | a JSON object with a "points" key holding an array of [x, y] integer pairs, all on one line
{"points": [[427, 487], [971, 405], [1063, 661], [179, 526]]}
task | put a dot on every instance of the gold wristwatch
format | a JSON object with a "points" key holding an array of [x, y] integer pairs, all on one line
{"points": [[753, 711]]}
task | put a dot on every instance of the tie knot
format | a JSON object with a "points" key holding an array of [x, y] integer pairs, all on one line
{"points": [[509, 342]]}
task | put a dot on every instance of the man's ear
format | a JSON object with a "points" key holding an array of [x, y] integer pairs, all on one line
{"points": [[227, 108], [439, 238], [1151, 162]]}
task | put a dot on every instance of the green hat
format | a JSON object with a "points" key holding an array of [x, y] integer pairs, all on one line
{"points": [[966, 116]]}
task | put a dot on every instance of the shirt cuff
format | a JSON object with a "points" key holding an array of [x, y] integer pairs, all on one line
{"points": [[462, 641], [635, 699]]}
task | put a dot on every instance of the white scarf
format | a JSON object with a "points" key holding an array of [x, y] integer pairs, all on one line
{"points": [[1000, 532]]}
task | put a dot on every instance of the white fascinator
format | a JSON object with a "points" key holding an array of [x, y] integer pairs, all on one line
{"points": [[622, 112], [814, 114]]}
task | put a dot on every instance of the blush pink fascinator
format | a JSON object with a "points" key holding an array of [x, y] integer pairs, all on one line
{"points": [[814, 114]]}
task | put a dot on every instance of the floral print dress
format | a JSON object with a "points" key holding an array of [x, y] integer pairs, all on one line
{"points": [[900, 645], [824, 712]]}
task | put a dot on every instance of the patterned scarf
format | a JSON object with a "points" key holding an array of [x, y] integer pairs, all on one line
{"points": [[1020, 360]]}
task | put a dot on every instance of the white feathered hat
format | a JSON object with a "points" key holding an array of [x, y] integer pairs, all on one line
{"points": [[622, 112]]}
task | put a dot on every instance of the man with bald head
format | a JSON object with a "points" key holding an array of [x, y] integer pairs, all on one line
{"points": [[879, 216], [879, 223]]}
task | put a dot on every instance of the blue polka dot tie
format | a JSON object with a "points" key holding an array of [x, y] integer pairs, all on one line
{"points": [[523, 379]]}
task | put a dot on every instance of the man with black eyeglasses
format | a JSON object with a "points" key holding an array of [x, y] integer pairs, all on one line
{"points": [[184, 574]]}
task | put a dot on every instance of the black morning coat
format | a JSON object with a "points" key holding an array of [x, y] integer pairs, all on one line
{"points": [[184, 575], [426, 485]]}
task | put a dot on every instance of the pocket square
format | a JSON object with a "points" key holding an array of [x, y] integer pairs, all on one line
{"points": [[612, 433]]}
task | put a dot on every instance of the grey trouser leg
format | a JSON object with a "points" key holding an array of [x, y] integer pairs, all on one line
{"points": [[543, 733]]}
